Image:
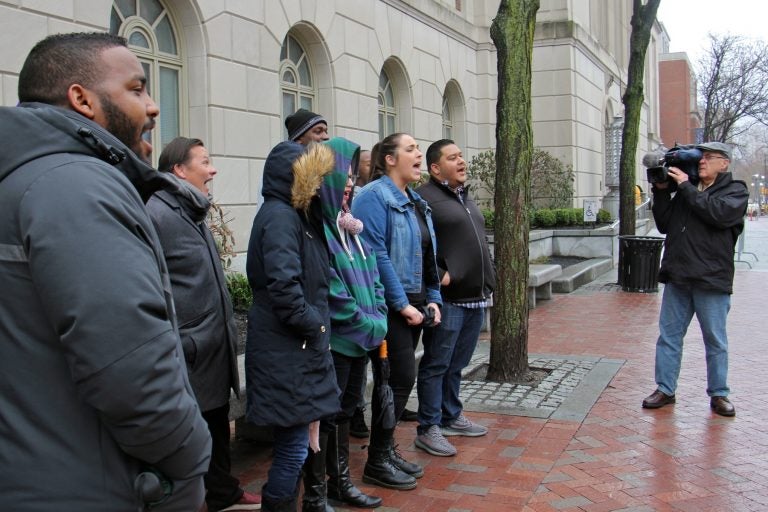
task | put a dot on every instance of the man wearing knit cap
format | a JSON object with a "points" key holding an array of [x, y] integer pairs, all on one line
{"points": [[304, 127]]}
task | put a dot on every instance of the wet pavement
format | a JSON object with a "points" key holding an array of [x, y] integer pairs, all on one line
{"points": [[597, 449]]}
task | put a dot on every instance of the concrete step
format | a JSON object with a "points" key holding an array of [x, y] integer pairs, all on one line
{"points": [[580, 274]]}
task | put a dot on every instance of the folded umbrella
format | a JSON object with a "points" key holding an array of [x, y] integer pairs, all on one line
{"points": [[383, 391]]}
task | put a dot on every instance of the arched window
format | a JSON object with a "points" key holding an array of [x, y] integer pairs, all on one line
{"points": [[149, 29], [296, 82], [454, 114], [447, 119], [387, 108]]}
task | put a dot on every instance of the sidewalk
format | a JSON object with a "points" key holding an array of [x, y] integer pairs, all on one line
{"points": [[620, 456]]}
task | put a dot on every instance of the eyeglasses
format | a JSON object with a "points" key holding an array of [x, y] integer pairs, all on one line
{"points": [[713, 157]]}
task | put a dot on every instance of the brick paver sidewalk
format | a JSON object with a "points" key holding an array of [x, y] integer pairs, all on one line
{"points": [[621, 457]]}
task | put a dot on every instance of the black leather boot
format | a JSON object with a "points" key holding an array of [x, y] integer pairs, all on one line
{"points": [[357, 426], [282, 505], [315, 497], [413, 469], [380, 470], [340, 486]]}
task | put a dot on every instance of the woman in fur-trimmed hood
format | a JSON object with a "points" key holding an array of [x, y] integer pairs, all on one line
{"points": [[290, 378]]}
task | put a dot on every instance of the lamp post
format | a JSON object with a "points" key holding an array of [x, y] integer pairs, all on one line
{"points": [[758, 187]]}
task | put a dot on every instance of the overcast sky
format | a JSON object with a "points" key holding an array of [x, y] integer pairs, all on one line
{"points": [[689, 21]]}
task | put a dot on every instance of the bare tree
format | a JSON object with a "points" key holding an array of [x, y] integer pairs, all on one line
{"points": [[733, 86], [512, 33]]}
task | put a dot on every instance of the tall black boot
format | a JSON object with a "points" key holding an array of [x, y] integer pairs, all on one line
{"points": [[340, 486], [380, 469], [315, 497], [282, 505], [357, 426]]}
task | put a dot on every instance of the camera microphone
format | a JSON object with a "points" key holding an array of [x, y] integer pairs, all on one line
{"points": [[653, 159]]}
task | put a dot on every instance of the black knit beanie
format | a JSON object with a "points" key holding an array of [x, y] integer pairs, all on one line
{"points": [[300, 121]]}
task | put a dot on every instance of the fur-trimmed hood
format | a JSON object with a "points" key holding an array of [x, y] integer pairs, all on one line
{"points": [[293, 173]]}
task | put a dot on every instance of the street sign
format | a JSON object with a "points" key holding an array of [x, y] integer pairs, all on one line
{"points": [[590, 210]]}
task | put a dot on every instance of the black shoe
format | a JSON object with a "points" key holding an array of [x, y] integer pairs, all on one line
{"points": [[409, 415], [413, 469], [340, 486], [722, 406], [658, 399], [282, 505], [315, 497], [379, 470], [357, 426]]}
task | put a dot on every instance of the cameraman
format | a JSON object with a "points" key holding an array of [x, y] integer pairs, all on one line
{"points": [[702, 223]]}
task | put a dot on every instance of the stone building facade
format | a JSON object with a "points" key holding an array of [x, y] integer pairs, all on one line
{"points": [[229, 71]]}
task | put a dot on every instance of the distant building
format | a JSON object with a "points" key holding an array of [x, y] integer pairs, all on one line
{"points": [[678, 101], [229, 73]]}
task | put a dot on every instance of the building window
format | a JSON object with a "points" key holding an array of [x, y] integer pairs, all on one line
{"points": [[447, 119], [149, 29], [296, 82], [387, 109]]}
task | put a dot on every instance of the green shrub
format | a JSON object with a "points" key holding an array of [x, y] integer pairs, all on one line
{"points": [[563, 217], [577, 216], [545, 218], [240, 291], [603, 216], [488, 215]]}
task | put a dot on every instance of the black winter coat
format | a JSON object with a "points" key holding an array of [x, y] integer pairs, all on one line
{"points": [[702, 229], [92, 383], [462, 249], [203, 306], [290, 379]]}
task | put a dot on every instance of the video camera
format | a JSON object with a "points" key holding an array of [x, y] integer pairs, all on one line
{"points": [[685, 157]]}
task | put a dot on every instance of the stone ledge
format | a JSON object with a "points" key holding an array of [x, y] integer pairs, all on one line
{"points": [[581, 274]]}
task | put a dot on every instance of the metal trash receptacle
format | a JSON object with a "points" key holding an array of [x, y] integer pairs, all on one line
{"points": [[640, 257]]}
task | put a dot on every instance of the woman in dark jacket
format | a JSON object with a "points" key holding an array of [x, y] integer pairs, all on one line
{"points": [[289, 370], [398, 225]]}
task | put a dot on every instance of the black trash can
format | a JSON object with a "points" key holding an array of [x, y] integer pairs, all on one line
{"points": [[639, 268]]}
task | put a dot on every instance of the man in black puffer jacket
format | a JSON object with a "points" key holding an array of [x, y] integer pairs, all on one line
{"points": [[702, 223], [95, 403]]}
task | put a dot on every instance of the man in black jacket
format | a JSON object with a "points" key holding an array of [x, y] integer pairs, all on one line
{"points": [[96, 409], [467, 280], [702, 223], [203, 307]]}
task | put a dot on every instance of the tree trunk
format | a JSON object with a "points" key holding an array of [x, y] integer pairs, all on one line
{"points": [[512, 33], [643, 17]]}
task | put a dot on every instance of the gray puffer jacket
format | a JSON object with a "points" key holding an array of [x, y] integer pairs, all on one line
{"points": [[93, 387]]}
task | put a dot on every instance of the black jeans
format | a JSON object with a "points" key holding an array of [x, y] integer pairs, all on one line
{"points": [[401, 347], [350, 375], [223, 488]]}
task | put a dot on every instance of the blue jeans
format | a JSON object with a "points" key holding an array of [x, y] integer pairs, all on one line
{"points": [[289, 453], [678, 305], [447, 351]]}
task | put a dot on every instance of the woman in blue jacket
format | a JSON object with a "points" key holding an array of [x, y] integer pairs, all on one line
{"points": [[398, 225]]}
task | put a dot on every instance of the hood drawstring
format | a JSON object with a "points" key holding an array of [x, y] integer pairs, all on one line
{"points": [[348, 226]]}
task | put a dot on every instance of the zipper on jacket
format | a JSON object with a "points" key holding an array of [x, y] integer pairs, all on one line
{"points": [[479, 244]]}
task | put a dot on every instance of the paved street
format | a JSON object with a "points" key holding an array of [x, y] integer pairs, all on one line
{"points": [[619, 456]]}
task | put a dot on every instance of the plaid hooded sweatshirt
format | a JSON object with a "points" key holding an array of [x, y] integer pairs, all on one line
{"points": [[356, 298]]}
